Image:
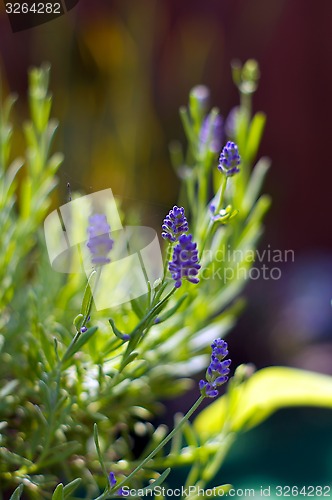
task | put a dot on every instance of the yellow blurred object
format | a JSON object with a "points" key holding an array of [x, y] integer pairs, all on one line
{"points": [[250, 403]]}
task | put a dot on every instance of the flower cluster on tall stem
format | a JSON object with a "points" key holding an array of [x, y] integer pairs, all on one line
{"points": [[184, 263], [218, 370]]}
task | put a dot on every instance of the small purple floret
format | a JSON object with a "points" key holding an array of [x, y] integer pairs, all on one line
{"points": [[100, 243], [184, 264], [212, 208], [229, 159], [112, 479], [175, 224], [218, 370]]}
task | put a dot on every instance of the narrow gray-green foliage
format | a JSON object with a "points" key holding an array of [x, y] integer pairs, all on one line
{"points": [[71, 398]]}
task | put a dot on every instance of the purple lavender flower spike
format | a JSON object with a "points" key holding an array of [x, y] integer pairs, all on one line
{"points": [[175, 224], [231, 122], [100, 243], [229, 159], [218, 370], [184, 264], [212, 133]]}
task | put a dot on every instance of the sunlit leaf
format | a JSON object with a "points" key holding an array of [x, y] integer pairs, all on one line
{"points": [[265, 392], [58, 493], [255, 183], [254, 136]]}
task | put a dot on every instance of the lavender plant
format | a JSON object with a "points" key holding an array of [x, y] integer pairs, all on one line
{"points": [[75, 393]]}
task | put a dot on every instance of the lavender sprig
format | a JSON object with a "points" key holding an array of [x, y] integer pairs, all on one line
{"points": [[184, 264], [218, 370], [229, 159], [216, 375], [175, 224]]}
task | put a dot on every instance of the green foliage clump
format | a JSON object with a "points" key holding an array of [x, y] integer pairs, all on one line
{"points": [[73, 397]]}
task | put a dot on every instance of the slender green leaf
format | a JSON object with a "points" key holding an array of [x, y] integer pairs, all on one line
{"points": [[14, 458], [17, 493], [47, 345], [241, 126], [70, 487], [78, 320], [58, 493], [157, 482], [116, 331], [128, 359], [254, 136], [87, 295], [12, 172], [255, 183], [187, 125], [9, 388], [173, 310], [82, 340], [101, 460]]}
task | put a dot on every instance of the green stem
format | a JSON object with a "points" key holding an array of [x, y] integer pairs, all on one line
{"points": [[222, 193], [206, 236], [87, 314], [246, 103], [141, 326], [144, 324], [88, 309], [167, 258], [202, 187], [151, 313], [211, 224], [161, 445]]}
